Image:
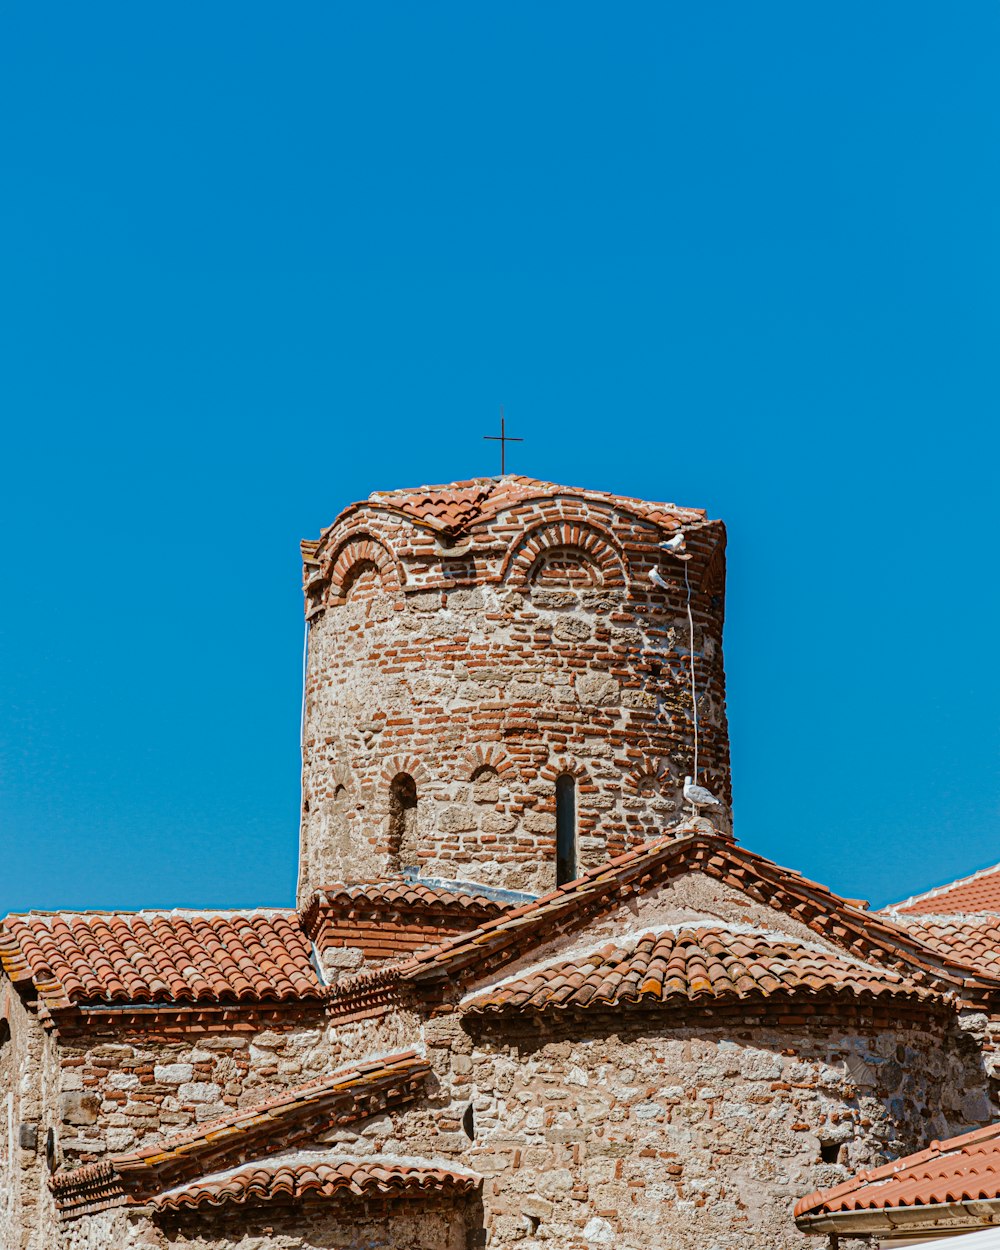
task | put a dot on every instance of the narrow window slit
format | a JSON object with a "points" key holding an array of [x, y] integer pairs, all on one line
{"points": [[565, 828]]}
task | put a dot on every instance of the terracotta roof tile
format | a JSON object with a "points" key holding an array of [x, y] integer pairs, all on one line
{"points": [[976, 893], [690, 963], [90, 958], [604, 887], [402, 895], [291, 1118], [975, 940], [408, 893], [317, 1175], [961, 1169], [457, 506]]}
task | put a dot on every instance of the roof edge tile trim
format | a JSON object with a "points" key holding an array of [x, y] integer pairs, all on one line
{"points": [[977, 892]]}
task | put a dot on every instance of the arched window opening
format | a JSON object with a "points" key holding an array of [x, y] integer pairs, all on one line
{"points": [[469, 1123], [403, 819], [565, 828]]}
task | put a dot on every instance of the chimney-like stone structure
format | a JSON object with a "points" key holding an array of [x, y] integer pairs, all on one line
{"points": [[496, 691]]}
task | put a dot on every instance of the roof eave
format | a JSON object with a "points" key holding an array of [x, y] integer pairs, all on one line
{"points": [[968, 1215]]}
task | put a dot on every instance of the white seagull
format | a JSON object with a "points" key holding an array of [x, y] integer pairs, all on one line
{"points": [[656, 578], [698, 796], [674, 544]]}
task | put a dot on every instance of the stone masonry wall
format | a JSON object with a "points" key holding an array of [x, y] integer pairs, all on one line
{"points": [[122, 1090], [482, 676], [648, 1135], [28, 1081], [656, 1129]]}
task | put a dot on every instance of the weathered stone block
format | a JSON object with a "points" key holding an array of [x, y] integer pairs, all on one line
{"points": [[79, 1107], [172, 1073], [199, 1091]]}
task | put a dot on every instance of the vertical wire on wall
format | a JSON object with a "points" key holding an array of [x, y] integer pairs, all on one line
{"points": [[302, 731], [694, 688]]}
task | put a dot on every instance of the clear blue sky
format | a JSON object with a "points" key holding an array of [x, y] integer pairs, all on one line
{"points": [[259, 260]]}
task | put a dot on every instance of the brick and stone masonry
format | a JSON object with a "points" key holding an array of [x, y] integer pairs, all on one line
{"points": [[469, 645], [667, 1050]]}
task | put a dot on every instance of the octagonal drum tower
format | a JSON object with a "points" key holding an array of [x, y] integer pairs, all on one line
{"points": [[495, 689]]}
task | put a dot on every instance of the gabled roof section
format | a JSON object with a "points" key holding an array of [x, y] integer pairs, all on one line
{"points": [[162, 957], [695, 963], [289, 1119], [979, 892], [959, 1170], [602, 889], [312, 1174], [457, 507]]}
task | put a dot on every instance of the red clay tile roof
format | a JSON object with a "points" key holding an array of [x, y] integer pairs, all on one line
{"points": [[400, 895], [160, 957], [401, 892], [961, 1169], [458, 506], [975, 940], [289, 1119], [977, 893], [604, 887], [317, 1175], [693, 962]]}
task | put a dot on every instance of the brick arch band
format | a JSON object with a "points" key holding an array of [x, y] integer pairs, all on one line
{"points": [[595, 547], [396, 764], [495, 757], [358, 550]]}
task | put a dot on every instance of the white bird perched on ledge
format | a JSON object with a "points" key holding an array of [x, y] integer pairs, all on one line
{"points": [[674, 544], [698, 796], [657, 579]]}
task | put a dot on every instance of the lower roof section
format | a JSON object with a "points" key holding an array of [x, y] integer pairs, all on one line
{"points": [[952, 1184], [311, 1174], [288, 1120]]}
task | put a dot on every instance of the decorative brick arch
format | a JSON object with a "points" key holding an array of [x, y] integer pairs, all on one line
{"points": [[396, 764], [362, 549], [648, 769], [341, 776], [492, 756], [595, 549], [564, 764]]}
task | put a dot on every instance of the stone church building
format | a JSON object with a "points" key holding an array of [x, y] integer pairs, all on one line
{"points": [[527, 995]]}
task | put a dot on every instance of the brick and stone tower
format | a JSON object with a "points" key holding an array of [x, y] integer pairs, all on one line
{"points": [[496, 691]]}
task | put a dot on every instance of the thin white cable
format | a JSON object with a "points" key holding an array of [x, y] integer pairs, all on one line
{"points": [[694, 688], [302, 735]]}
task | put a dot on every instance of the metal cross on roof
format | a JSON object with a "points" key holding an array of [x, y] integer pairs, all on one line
{"points": [[503, 438]]}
